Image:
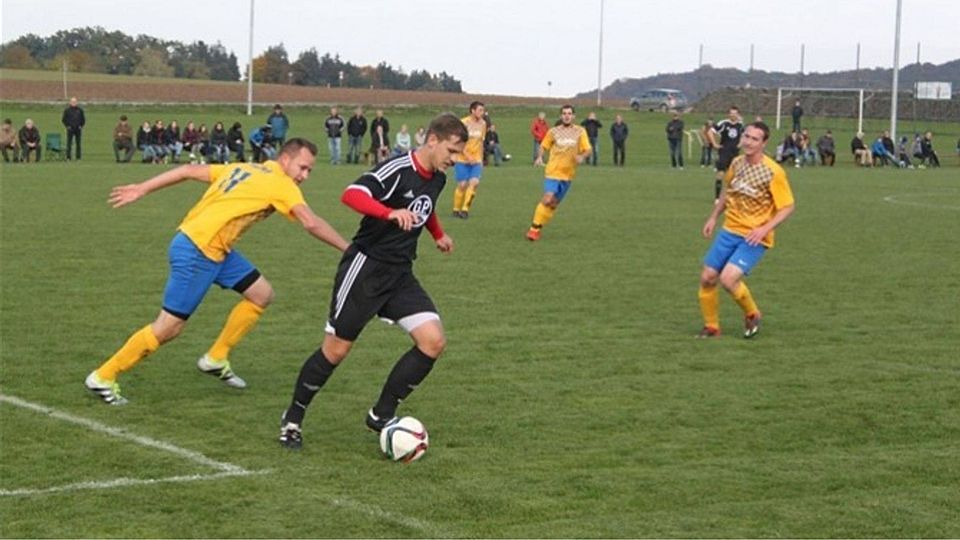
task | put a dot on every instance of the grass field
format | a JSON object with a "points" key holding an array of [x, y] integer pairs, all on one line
{"points": [[572, 400]]}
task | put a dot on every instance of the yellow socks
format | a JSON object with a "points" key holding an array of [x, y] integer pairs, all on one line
{"points": [[710, 306], [241, 320], [468, 197], [138, 346], [744, 299], [458, 196], [542, 215]]}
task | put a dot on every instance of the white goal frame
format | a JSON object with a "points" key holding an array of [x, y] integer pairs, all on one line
{"points": [[824, 90]]}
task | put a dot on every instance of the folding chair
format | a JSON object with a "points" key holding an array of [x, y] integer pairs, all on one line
{"points": [[53, 147]]}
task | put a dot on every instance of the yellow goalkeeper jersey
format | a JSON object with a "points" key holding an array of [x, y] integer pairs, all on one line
{"points": [[239, 195], [473, 150], [754, 193], [564, 143]]}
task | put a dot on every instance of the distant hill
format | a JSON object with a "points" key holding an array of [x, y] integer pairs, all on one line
{"points": [[698, 83]]}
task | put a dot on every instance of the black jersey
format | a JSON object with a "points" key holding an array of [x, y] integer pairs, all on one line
{"points": [[396, 183], [729, 133]]}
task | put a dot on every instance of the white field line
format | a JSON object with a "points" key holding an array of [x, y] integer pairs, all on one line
{"points": [[899, 199], [122, 482]]}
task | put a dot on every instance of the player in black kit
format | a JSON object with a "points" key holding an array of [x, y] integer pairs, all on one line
{"points": [[375, 276], [729, 129]]}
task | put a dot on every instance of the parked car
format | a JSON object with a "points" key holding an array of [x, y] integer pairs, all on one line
{"points": [[659, 99]]}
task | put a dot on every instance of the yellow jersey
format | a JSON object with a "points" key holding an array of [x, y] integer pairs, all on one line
{"points": [[239, 195], [476, 133], [564, 144], [754, 193]]}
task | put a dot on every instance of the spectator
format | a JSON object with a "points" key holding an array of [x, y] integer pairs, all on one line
{"points": [[379, 147], [29, 137], [74, 120], [929, 154], [861, 154], [235, 141], [8, 141], [539, 128], [881, 156], [706, 144], [619, 133], [807, 156], [334, 125], [145, 143], [403, 141], [158, 140], [903, 151], [917, 148], [356, 129], [123, 141], [420, 137], [674, 131], [191, 141], [380, 120], [279, 124], [491, 146], [788, 149], [826, 147], [205, 147], [888, 144], [219, 145], [592, 125], [172, 142], [262, 145], [796, 113]]}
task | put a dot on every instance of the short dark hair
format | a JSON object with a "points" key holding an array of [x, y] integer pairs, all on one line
{"points": [[568, 106], [293, 146], [123, 117], [475, 104], [762, 127], [447, 125], [734, 108]]}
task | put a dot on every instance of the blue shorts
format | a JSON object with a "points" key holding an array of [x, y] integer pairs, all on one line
{"points": [[559, 188], [466, 171], [192, 273], [733, 249]]}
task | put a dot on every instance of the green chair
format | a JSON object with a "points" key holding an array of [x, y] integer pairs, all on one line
{"points": [[53, 147]]}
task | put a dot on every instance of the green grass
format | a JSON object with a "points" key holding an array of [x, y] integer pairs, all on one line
{"points": [[572, 400]]}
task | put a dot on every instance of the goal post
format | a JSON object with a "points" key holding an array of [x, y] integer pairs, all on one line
{"points": [[789, 91]]}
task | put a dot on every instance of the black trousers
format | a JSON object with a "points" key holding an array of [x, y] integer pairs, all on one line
{"points": [[618, 152], [74, 134]]}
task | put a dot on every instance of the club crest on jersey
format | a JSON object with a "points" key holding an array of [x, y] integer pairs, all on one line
{"points": [[422, 206]]}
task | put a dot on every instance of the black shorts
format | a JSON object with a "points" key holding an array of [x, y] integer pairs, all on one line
{"points": [[365, 287], [725, 156]]}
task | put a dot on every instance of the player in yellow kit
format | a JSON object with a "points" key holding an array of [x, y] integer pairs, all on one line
{"points": [[568, 146], [468, 166], [201, 254], [756, 198]]}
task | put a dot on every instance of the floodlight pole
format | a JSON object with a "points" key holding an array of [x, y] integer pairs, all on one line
{"points": [[600, 60], [250, 66], [896, 74]]}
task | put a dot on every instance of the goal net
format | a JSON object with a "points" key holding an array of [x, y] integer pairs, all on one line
{"points": [[822, 102]]}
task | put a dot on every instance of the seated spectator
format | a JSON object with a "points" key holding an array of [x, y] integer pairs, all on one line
{"points": [[29, 137], [158, 140], [9, 141], [917, 149], [171, 139], [123, 141], [235, 141], [144, 142], [788, 150], [403, 141], [191, 141], [491, 146], [261, 144], [379, 147], [420, 138], [219, 150], [204, 149], [826, 147], [903, 151], [861, 154], [805, 152], [881, 156], [929, 154]]}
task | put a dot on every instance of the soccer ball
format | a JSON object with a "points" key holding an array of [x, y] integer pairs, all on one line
{"points": [[507, 157], [404, 439]]}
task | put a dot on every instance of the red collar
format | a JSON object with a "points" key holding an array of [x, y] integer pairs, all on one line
{"points": [[421, 170]]}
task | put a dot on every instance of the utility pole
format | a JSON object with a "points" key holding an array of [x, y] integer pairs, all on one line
{"points": [[250, 66], [896, 74], [600, 60]]}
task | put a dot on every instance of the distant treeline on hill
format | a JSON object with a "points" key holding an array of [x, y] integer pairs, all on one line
{"points": [[95, 50]]}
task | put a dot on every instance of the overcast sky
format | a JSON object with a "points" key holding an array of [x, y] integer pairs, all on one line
{"points": [[516, 47]]}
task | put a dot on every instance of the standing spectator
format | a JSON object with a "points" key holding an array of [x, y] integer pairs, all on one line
{"points": [[356, 129], [29, 137], [619, 132], [145, 143], [403, 141], [861, 154], [123, 140], [191, 140], [491, 146], [826, 147], [261, 144], [420, 137], [674, 131], [379, 146], [929, 154], [380, 120], [279, 124], [538, 128], [729, 130], [172, 141], [219, 148], [796, 113], [235, 141], [334, 125], [592, 125], [8, 141], [706, 144], [74, 120]]}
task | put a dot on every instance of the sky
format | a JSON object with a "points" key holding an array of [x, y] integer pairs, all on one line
{"points": [[530, 47]]}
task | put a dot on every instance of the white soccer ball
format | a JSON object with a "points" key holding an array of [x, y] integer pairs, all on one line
{"points": [[507, 157], [404, 439]]}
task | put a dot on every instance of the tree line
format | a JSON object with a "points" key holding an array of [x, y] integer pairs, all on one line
{"points": [[96, 50]]}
